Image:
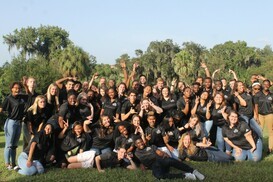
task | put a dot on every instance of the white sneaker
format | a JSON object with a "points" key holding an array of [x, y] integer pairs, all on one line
{"points": [[190, 176], [198, 175], [16, 168]]}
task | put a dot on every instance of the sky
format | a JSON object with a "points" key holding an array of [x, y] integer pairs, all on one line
{"points": [[107, 29]]}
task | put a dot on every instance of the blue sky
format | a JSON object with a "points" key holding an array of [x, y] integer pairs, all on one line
{"points": [[108, 28]]}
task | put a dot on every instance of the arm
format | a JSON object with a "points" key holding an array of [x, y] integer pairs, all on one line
{"points": [[203, 65], [242, 102], [256, 113], [30, 155], [250, 140], [59, 82], [208, 114], [95, 76], [187, 107], [213, 74], [173, 85], [193, 111], [132, 165], [123, 67], [234, 74], [157, 109], [86, 127], [62, 133], [126, 116]]}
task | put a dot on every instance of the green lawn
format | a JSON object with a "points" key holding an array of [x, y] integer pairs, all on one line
{"points": [[245, 171]]}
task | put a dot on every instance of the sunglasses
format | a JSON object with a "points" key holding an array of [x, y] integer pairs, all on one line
{"points": [[256, 88]]}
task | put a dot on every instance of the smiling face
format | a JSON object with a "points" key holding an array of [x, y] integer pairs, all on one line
{"points": [[41, 103], [136, 121], [16, 89], [218, 99], [48, 129], [121, 153], [78, 129], [151, 120], [165, 92], [139, 144], [233, 118], [186, 141], [122, 130], [105, 120], [72, 100], [53, 90]]}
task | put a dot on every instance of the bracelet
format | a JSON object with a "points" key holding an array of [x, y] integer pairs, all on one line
{"points": [[206, 68]]}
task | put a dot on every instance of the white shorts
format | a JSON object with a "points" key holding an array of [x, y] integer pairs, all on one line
{"points": [[86, 158]]}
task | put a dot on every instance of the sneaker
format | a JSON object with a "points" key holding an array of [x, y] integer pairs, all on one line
{"points": [[198, 175], [16, 168], [190, 176]]}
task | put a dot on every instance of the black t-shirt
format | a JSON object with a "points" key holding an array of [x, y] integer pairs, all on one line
{"points": [[30, 100], [199, 154], [147, 156], [169, 106], [70, 113], [181, 104], [45, 146], [245, 110], [15, 106], [52, 107], [110, 160], [201, 111], [111, 108], [264, 102], [71, 141], [174, 136], [156, 136], [125, 142], [99, 141], [196, 136], [237, 135], [217, 117], [41, 116], [85, 111], [126, 108], [63, 95]]}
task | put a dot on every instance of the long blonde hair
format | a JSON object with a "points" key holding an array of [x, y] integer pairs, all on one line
{"points": [[34, 106], [48, 95], [198, 126], [181, 148]]}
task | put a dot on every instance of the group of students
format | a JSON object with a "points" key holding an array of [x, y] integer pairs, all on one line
{"points": [[80, 125]]}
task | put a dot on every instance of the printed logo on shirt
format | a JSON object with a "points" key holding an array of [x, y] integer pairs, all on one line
{"points": [[172, 100], [247, 130], [204, 108], [148, 148], [235, 131], [158, 131], [170, 133], [225, 96], [130, 140], [269, 98], [114, 104], [219, 111]]}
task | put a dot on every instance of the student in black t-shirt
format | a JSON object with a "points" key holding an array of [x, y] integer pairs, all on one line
{"points": [[86, 109], [125, 140], [14, 104], [167, 102], [189, 150], [52, 96], [39, 152], [129, 107], [69, 85], [263, 101], [102, 135], [160, 162], [245, 143], [37, 115], [184, 105], [112, 160]]}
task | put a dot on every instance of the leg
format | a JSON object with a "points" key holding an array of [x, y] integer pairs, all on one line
{"points": [[26, 135], [207, 127], [108, 149], [215, 155], [269, 124], [17, 132], [256, 127], [239, 156], [39, 166], [22, 163], [220, 140], [257, 154]]}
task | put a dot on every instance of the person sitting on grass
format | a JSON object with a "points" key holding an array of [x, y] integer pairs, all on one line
{"points": [[112, 159], [190, 150], [160, 163], [41, 150], [245, 143]]}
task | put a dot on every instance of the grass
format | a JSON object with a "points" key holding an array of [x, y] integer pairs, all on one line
{"points": [[244, 171]]}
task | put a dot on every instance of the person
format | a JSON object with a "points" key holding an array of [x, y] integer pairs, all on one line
{"points": [[184, 105], [86, 109], [264, 112], [195, 129], [40, 151], [101, 134], [69, 85], [167, 102], [112, 159], [73, 141], [129, 107], [245, 143], [200, 151], [111, 106], [37, 115], [14, 104], [52, 98], [136, 128], [125, 140], [160, 162], [202, 107], [81, 160], [30, 86], [244, 106]]}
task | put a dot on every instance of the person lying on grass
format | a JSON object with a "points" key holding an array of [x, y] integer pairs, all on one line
{"points": [[39, 152], [114, 159], [200, 151], [160, 163]]}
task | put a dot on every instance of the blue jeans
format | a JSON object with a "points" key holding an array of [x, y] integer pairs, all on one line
{"points": [[221, 144], [36, 167], [101, 151], [248, 155], [215, 155], [253, 125], [207, 127], [12, 129]]}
